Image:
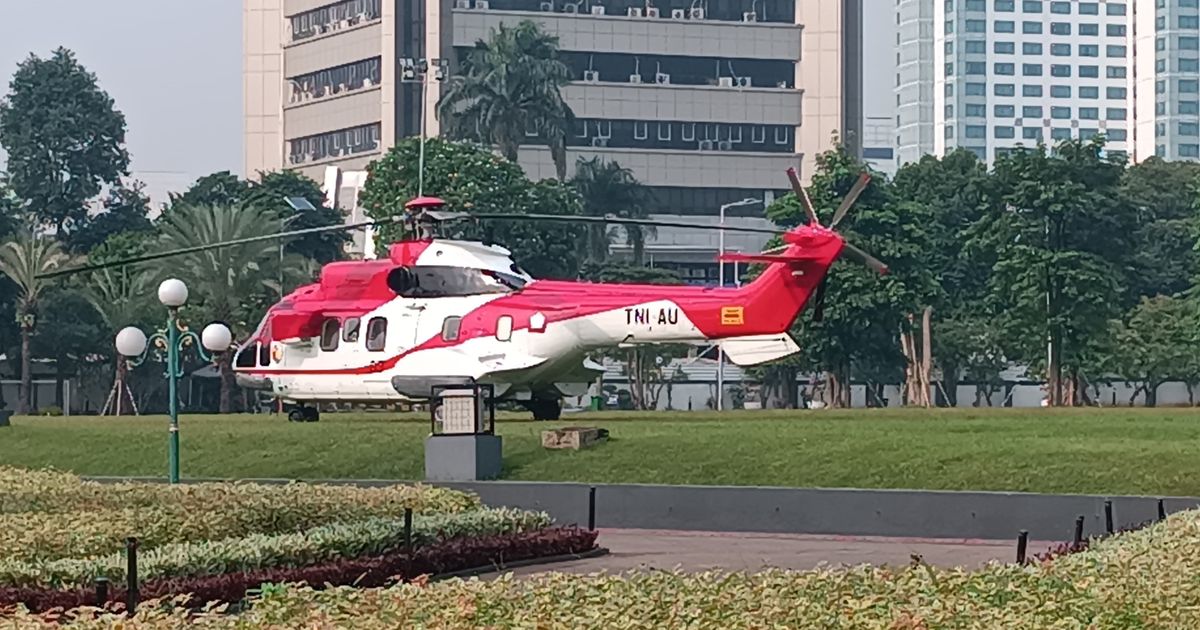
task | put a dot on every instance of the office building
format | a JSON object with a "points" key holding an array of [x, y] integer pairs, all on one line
{"points": [[1009, 72], [878, 144], [707, 102], [1167, 89]]}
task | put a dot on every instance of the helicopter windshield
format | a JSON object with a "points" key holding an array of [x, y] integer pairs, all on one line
{"points": [[430, 281]]}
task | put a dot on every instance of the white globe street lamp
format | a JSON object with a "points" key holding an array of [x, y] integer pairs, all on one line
{"points": [[216, 337], [173, 293], [131, 342]]}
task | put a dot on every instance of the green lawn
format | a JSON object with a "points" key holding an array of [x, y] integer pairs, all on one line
{"points": [[1113, 451]]}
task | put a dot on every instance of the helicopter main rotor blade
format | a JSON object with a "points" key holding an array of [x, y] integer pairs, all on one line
{"points": [[802, 195], [851, 197], [201, 248], [574, 218], [863, 257]]}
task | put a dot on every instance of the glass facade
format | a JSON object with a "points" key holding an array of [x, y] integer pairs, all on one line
{"points": [[1176, 79]]}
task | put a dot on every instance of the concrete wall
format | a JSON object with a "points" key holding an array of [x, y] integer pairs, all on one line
{"points": [[898, 513]]}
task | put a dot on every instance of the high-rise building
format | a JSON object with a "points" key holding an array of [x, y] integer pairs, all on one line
{"points": [[706, 101], [1167, 86], [1009, 72]]}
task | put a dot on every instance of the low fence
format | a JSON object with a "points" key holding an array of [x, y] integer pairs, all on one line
{"points": [[893, 513]]}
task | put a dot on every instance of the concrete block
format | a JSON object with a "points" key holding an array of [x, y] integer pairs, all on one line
{"points": [[462, 457], [573, 437]]}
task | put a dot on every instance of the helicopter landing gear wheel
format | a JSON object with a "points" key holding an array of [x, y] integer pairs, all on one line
{"points": [[545, 409], [296, 415], [304, 414]]}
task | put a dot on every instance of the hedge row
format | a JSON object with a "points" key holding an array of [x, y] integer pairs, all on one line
{"points": [[322, 544], [446, 556], [36, 507]]}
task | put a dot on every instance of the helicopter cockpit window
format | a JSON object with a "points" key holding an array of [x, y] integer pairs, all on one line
{"points": [[329, 335], [376, 334], [431, 282], [264, 355], [246, 355], [350, 329]]}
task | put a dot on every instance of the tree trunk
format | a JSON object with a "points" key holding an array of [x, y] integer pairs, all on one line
{"points": [[228, 381], [1152, 393], [58, 384], [1191, 393], [23, 398], [1054, 375]]}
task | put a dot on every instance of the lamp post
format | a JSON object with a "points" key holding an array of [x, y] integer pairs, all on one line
{"points": [[721, 280], [417, 71], [173, 340]]}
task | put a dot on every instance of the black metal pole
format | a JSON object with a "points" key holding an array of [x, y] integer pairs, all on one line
{"points": [[1108, 517], [408, 516], [592, 508], [101, 592], [1162, 511], [1079, 530], [131, 577], [1022, 544]]}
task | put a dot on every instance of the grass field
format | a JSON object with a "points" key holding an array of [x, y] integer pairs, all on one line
{"points": [[1112, 451]]}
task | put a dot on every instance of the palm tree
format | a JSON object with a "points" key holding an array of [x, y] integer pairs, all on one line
{"points": [[122, 297], [508, 86], [234, 284], [22, 260], [608, 188]]}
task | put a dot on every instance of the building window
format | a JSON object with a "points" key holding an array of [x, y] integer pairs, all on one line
{"points": [[1089, 113], [1031, 111], [1031, 133], [1004, 69], [1188, 150], [1115, 72], [1004, 132], [1189, 65], [1088, 8], [1189, 86], [1032, 6], [1060, 133], [1115, 8], [1060, 50], [976, 110], [1031, 48], [1190, 129], [1031, 69], [1089, 30], [688, 132], [1060, 28], [975, 46], [1116, 92], [1089, 50], [1189, 43], [1115, 30], [758, 134], [664, 131], [781, 135], [1060, 70], [1115, 50], [335, 144], [1089, 92], [1115, 113], [1189, 107], [1063, 8], [1004, 6], [975, 131], [1004, 26], [1087, 72], [376, 334], [1189, 21], [1004, 111], [640, 131], [337, 80], [333, 18], [1060, 91], [329, 335], [1031, 28], [976, 89], [976, 68], [1060, 113], [976, 26], [1004, 89]]}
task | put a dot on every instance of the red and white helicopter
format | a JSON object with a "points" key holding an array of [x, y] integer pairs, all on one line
{"points": [[438, 312]]}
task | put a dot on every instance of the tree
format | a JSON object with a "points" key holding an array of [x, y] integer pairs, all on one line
{"points": [[22, 260], [508, 87], [71, 333], [1156, 342], [222, 189], [951, 191], [470, 178], [125, 210], [64, 137], [233, 284], [1060, 238], [1162, 195], [863, 312], [271, 192], [608, 188]]}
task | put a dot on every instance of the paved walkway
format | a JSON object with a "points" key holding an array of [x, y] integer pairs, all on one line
{"points": [[631, 549]]}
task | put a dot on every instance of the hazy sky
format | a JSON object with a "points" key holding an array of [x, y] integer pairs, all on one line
{"points": [[173, 66]]}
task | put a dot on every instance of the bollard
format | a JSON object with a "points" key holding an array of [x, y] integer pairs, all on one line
{"points": [[1079, 530], [1022, 544], [131, 581], [592, 509], [1108, 517], [408, 530], [1162, 511], [101, 592]]}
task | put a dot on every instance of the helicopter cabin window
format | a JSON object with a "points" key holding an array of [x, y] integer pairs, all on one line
{"points": [[246, 355], [504, 328], [329, 335], [450, 328], [264, 355], [376, 334], [424, 281], [350, 329]]}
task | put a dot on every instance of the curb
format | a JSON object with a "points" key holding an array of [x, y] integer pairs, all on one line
{"points": [[595, 552]]}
